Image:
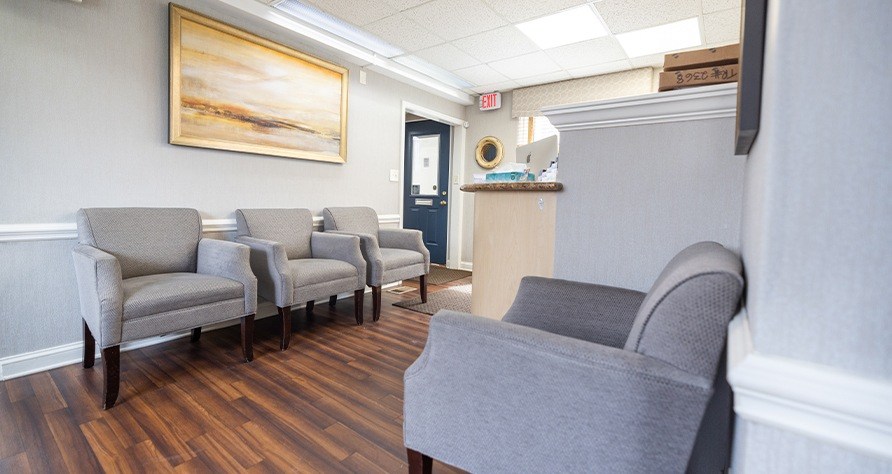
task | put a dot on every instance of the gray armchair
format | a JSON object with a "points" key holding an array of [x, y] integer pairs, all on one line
{"points": [[576, 377], [295, 264], [391, 254], [145, 272]]}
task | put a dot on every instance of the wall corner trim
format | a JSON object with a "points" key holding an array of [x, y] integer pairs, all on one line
{"points": [[813, 400], [696, 103]]}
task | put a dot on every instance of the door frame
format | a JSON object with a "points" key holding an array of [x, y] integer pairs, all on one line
{"points": [[455, 232]]}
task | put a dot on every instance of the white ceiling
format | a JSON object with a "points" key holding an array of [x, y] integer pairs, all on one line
{"points": [[476, 40]]}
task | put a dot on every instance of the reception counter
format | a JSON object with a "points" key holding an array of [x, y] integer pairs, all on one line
{"points": [[513, 238]]}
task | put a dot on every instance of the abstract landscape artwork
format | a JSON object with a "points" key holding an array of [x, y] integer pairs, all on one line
{"points": [[232, 90]]}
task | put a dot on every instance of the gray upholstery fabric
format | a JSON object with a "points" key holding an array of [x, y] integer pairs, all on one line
{"points": [[403, 273], [152, 294], [101, 291], [144, 240], [341, 247], [683, 319], [524, 400], [178, 320], [406, 239], [270, 264], [290, 227], [356, 220], [396, 258], [594, 313], [310, 271], [229, 260]]}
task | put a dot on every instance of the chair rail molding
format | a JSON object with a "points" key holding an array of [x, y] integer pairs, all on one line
{"points": [[68, 230], [813, 400], [696, 103]]}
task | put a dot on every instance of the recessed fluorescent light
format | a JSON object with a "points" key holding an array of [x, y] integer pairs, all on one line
{"points": [[660, 39], [569, 26]]}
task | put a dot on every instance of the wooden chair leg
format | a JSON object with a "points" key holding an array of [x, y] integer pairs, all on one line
{"points": [[332, 300], [285, 315], [89, 347], [310, 306], [111, 370], [196, 334], [248, 337], [358, 297], [376, 303], [419, 463], [423, 288]]}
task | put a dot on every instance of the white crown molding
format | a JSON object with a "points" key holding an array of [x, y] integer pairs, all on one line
{"points": [[68, 231], [813, 400], [698, 103]]}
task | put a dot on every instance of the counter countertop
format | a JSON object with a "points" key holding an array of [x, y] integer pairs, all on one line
{"points": [[523, 186]]}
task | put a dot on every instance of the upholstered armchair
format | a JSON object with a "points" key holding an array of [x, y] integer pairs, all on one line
{"points": [[576, 377], [390, 254], [145, 272], [295, 264]]}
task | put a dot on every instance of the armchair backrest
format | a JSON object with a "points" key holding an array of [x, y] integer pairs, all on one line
{"points": [[293, 228], [683, 320], [146, 241], [362, 220]]}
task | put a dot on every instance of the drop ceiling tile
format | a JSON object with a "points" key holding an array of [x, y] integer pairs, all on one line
{"points": [[447, 57], [528, 65], [722, 27], [358, 13], [599, 69], [453, 19], [652, 60], [543, 79], [521, 10], [587, 53], [621, 16], [404, 4], [399, 30], [481, 74], [500, 87], [710, 6], [501, 43]]}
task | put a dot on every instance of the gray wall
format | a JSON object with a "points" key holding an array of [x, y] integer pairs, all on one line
{"points": [[84, 120], [818, 211], [634, 196], [499, 124]]}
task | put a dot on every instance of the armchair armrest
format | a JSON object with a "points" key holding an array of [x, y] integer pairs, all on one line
{"points": [[269, 262], [490, 396], [101, 291], [229, 260], [340, 247], [408, 239], [371, 253], [595, 313]]}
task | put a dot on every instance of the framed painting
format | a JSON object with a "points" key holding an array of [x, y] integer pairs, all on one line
{"points": [[749, 86], [232, 90]]}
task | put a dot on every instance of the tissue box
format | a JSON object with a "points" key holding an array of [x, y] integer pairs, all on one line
{"points": [[509, 176]]}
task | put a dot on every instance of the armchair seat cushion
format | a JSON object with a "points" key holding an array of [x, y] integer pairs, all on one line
{"points": [[163, 292], [398, 258], [312, 271]]}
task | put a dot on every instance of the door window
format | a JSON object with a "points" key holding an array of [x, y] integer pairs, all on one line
{"points": [[425, 164]]}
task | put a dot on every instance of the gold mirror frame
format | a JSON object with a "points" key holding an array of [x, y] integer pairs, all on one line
{"points": [[500, 152]]}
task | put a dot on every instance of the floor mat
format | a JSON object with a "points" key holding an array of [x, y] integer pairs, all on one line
{"points": [[440, 275], [457, 298]]}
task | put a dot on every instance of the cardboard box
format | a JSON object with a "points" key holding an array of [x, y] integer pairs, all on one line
{"points": [[703, 57], [702, 76]]}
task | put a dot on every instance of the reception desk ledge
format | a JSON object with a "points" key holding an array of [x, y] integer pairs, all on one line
{"points": [[523, 186]]}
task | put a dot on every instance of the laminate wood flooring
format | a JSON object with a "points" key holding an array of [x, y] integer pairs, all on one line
{"points": [[331, 403]]}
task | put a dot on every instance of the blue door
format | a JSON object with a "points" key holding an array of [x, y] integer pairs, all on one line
{"points": [[425, 197]]}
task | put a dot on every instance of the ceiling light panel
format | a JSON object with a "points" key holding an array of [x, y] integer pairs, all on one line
{"points": [[569, 26], [661, 39]]}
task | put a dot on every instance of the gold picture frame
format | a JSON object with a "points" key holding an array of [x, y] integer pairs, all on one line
{"points": [[233, 90], [489, 152]]}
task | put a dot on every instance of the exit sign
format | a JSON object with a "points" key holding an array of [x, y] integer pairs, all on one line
{"points": [[491, 101]]}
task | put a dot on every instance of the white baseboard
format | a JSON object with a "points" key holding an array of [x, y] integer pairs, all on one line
{"points": [[813, 400], [469, 266]]}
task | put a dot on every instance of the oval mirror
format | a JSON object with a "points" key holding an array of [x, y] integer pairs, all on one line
{"points": [[489, 152]]}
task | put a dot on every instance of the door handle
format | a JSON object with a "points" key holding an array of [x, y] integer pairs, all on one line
{"points": [[443, 203], [444, 193]]}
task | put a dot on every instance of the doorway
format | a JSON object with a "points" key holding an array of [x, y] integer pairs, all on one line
{"points": [[426, 184]]}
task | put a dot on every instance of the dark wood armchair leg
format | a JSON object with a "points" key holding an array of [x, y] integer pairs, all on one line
{"points": [[89, 347], [196, 334], [332, 300], [248, 337], [111, 370], [285, 315], [422, 287], [310, 306], [376, 303], [358, 297], [419, 463]]}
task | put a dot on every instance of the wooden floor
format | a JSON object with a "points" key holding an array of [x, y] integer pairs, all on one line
{"points": [[331, 403]]}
